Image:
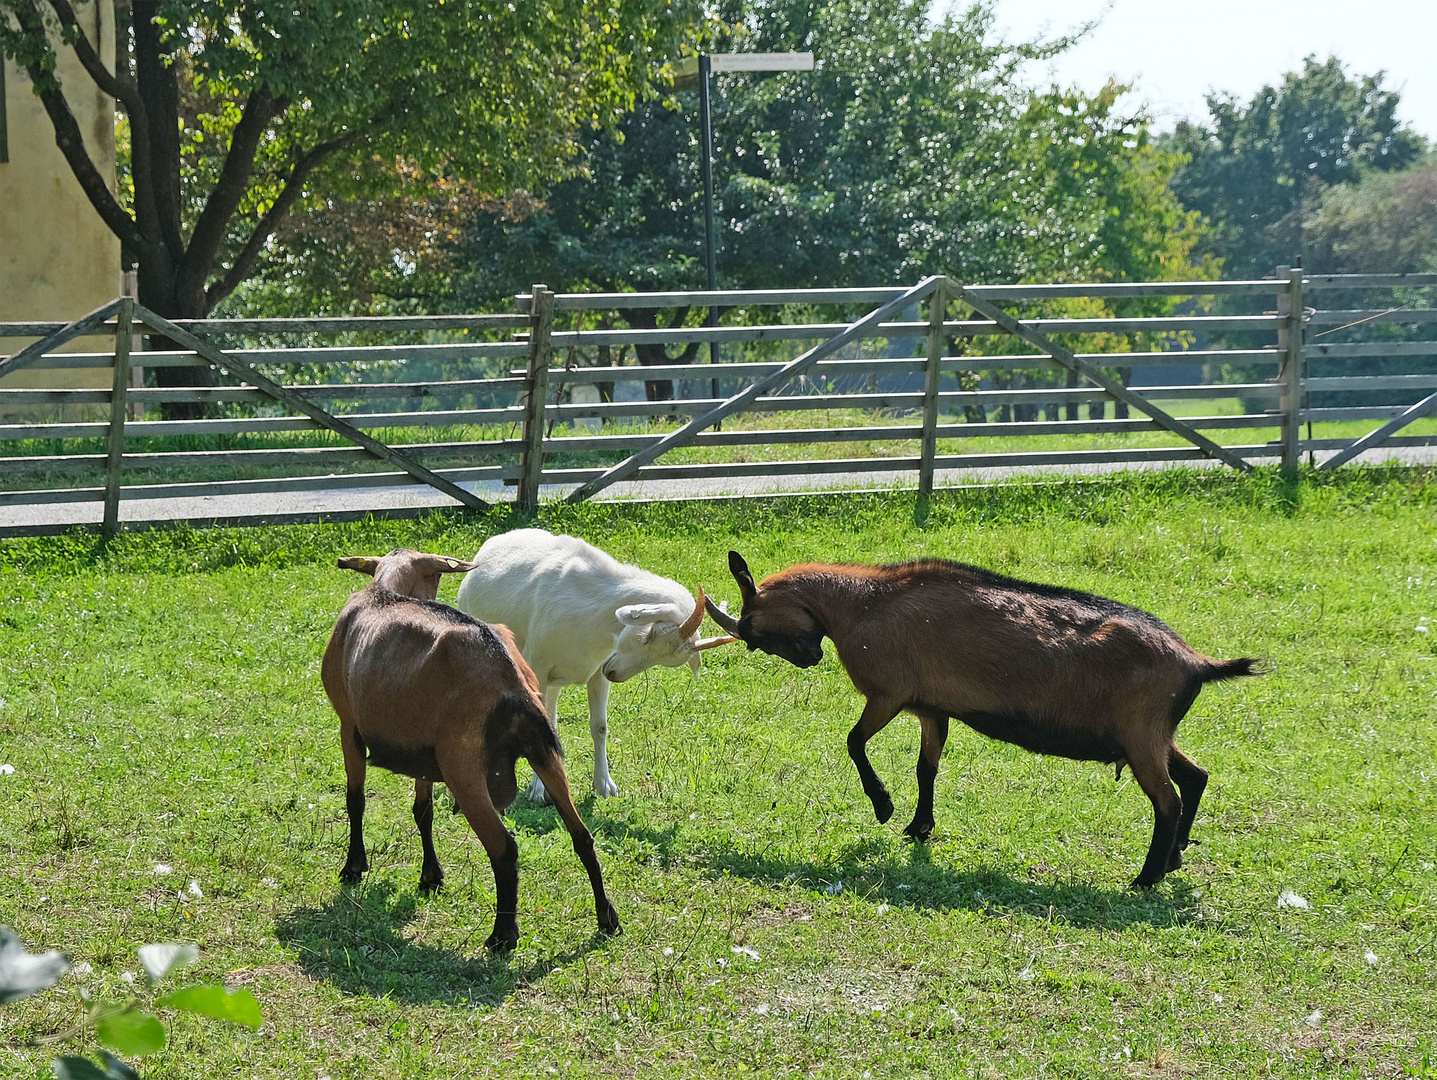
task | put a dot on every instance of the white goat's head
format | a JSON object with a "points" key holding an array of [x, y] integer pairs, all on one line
{"points": [[653, 634]]}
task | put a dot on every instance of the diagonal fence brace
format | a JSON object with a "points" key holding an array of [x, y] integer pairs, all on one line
{"points": [[81, 326], [1095, 374], [1385, 432], [794, 367], [283, 394]]}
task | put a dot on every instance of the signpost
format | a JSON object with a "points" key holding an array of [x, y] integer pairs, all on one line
{"points": [[697, 70]]}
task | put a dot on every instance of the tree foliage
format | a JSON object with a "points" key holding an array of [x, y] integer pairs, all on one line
{"points": [[1387, 224], [1257, 169], [240, 112]]}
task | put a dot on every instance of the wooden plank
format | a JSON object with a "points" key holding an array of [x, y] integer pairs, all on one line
{"points": [[85, 324], [1370, 382], [1290, 375], [719, 297], [1120, 290], [318, 415], [1375, 412], [1368, 281], [1095, 374], [1423, 408], [115, 437], [31, 398], [541, 320], [1316, 349], [937, 310], [354, 324], [1155, 324], [1366, 317], [744, 397]]}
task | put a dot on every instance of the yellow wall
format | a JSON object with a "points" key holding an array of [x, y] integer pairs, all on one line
{"points": [[57, 259]]}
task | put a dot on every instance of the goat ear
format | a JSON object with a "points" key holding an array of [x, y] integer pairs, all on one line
{"points": [[739, 569], [365, 564], [443, 564], [639, 614]]}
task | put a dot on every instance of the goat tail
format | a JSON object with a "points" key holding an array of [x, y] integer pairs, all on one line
{"points": [[1218, 670], [518, 722]]}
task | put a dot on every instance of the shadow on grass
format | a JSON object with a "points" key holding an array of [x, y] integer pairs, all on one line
{"points": [[355, 944], [912, 878]]}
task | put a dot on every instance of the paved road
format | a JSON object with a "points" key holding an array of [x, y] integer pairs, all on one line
{"points": [[342, 504]]}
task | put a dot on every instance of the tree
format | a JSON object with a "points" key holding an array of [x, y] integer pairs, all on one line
{"points": [[1257, 169], [1387, 224], [239, 113]]}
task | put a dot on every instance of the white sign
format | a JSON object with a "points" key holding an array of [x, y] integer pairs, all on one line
{"points": [[783, 61]]}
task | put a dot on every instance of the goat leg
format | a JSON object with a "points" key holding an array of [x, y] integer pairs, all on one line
{"points": [[876, 715], [1191, 780], [935, 734], [472, 793], [355, 767], [557, 781], [1152, 775], [431, 874]]}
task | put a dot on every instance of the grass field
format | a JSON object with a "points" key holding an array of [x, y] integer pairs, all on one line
{"points": [[161, 707]]}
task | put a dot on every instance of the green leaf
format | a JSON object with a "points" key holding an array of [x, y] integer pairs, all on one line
{"points": [[23, 973], [211, 999], [78, 1068], [131, 1032], [162, 958]]}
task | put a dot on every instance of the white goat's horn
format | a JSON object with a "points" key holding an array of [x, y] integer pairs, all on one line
{"points": [[713, 642], [695, 620]]}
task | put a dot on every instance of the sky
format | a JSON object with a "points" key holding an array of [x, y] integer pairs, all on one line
{"points": [[1175, 53]]}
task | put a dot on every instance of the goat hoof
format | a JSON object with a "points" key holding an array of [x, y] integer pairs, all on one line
{"points": [[1143, 884], [538, 794], [919, 831], [506, 942], [882, 807], [1175, 860], [430, 888], [609, 920], [350, 875], [605, 788]]}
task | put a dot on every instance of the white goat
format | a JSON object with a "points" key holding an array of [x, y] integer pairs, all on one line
{"points": [[579, 616]]}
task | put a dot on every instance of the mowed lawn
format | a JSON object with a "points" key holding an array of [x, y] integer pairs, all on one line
{"points": [[177, 777]]}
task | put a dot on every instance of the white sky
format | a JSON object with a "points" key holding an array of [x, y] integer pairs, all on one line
{"points": [[1174, 52]]}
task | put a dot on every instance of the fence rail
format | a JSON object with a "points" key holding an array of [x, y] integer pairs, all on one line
{"points": [[880, 387]]}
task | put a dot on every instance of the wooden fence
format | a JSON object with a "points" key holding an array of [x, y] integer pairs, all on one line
{"points": [[486, 405]]}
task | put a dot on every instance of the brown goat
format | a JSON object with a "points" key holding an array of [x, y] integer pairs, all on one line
{"points": [[1053, 670], [432, 693]]}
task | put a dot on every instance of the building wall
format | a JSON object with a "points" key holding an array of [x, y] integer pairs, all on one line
{"points": [[57, 258]]}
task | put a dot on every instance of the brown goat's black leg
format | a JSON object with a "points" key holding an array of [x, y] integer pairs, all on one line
{"points": [[1152, 775], [431, 874], [472, 794], [355, 766], [1191, 780], [876, 715], [557, 783], [935, 734]]}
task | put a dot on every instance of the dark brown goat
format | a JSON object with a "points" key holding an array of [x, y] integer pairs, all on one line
{"points": [[1054, 670], [432, 693]]}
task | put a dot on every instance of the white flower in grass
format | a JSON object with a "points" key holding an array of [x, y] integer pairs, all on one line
{"points": [[127, 976], [762, 1010], [833, 888], [1217, 999], [1314, 1018], [1370, 957], [269, 882], [82, 968], [744, 950], [7, 770], [1289, 899], [161, 869], [195, 890], [883, 909]]}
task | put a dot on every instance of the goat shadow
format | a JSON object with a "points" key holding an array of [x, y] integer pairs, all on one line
{"points": [[354, 943], [883, 870]]}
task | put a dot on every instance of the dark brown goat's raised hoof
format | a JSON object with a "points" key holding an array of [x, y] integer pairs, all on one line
{"points": [[882, 807], [609, 920], [350, 875]]}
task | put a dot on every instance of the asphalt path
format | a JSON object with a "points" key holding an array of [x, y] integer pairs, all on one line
{"points": [[413, 500]]}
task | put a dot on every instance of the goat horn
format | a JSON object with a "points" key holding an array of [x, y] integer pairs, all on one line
{"points": [[695, 620], [720, 616], [713, 642]]}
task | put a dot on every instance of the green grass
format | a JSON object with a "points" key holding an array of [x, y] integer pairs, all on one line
{"points": [[161, 705]]}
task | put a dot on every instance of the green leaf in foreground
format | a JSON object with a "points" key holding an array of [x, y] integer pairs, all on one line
{"points": [[162, 958], [131, 1032], [78, 1068], [23, 973], [238, 1006]]}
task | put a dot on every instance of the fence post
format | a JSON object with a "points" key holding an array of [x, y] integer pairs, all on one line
{"points": [[1289, 306], [536, 381], [119, 401], [937, 307]]}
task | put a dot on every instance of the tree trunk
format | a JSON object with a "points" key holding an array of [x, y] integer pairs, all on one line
{"points": [[159, 295]]}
